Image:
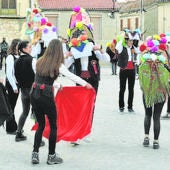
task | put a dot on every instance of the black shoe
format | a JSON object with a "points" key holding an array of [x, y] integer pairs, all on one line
{"points": [[131, 110], [42, 143], [146, 142], [11, 133], [155, 145], [121, 109], [54, 159], [35, 158], [20, 137]]}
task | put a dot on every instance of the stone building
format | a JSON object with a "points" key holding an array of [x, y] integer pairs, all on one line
{"points": [[12, 17]]}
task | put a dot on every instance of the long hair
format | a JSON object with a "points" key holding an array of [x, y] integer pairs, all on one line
{"points": [[49, 63], [21, 46], [13, 47]]}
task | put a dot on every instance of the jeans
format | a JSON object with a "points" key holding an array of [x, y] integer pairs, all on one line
{"points": [[25, 98]]}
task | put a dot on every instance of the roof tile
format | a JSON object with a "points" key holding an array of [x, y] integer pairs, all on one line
{"points": [[69, 4]]}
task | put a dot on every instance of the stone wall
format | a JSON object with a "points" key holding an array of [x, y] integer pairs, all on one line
{"points": [[10, 28]]}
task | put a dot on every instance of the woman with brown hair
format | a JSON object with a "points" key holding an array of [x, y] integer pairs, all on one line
{"points": [[48, 67]]}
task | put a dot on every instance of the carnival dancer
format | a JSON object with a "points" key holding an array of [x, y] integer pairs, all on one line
{"points": [[42, 98], [24, 73], [11, 84], [153, 77], [85, 52], [126, 52]]}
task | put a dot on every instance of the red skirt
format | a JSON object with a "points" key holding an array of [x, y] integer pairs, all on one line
{"points": [[75, 112]]}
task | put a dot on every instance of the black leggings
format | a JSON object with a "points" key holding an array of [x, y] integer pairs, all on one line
{"points": [[156, 111], [25, 98], [41, 106]]}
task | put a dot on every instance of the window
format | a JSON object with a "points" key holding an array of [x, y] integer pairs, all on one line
{"points": [[8, 7], [128, 24], [121, 25], [136, 22], [97, 28]]}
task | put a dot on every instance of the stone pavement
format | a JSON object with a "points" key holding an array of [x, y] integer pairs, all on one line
{"points": [[116, 138]]}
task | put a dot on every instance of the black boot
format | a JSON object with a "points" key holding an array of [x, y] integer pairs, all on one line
{"points": [[20, 137]]}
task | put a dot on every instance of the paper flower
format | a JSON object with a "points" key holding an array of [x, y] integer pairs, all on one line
{"points": [[54, 29], [90, 27], [162, 35], [45, 31], [43, 21], [163, 40], [162, 47], [35, 11], [154, 49], [76, 9], [153, 57], [142, 47], [156, 42], [49, 24], [156, 37], [74, 42], [83, 37], [79, 25], [150, 43], [162, 58], [68, 32]]}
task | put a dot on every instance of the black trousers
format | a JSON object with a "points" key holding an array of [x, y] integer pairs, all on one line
{"points": [[25, 98], [42, 106], [155, 110], [125, 75], [11, 125]]}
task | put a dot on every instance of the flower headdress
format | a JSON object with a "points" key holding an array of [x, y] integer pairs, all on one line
{"points": [[38, 27], [79, 21], [153, 47]]}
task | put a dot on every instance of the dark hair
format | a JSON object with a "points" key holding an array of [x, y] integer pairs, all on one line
{"points": [[21, 45], [13, 47], [49, 63]]}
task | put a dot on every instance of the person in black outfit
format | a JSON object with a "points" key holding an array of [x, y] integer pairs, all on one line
{"points": [[11, 84], [24, 72], [127, 71], [48, 68], [4, 49]]}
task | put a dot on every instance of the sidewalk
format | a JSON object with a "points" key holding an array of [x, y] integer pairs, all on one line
{"points": [[116, 138]]}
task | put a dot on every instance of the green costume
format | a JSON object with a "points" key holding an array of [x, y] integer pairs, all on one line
{"points": [[153, 77]]}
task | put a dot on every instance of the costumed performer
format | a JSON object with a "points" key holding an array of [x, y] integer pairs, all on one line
{"points": [[126, 59], [153, 78], [85, 52], [40, 31]]}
